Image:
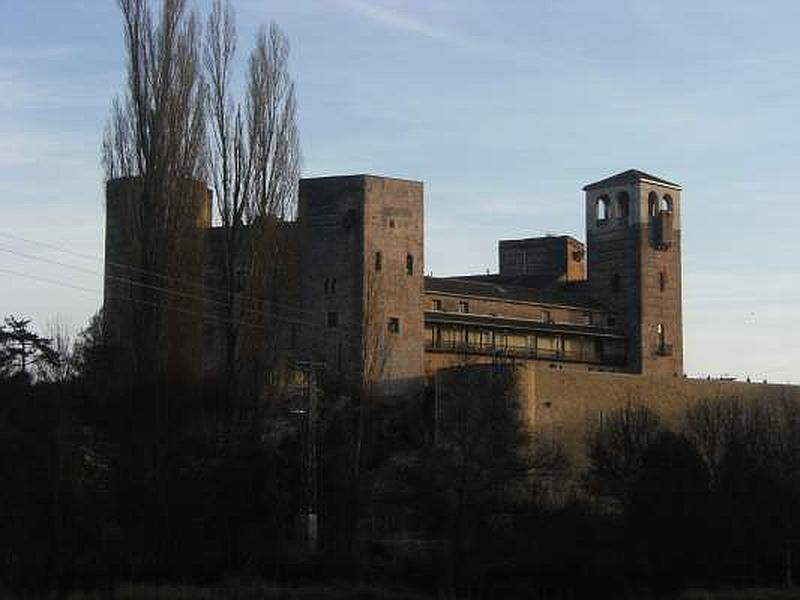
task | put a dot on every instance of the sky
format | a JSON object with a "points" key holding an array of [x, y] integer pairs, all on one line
{"points": [[504, 109]]}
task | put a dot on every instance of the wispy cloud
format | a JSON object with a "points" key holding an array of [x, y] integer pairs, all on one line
{"points": [[404, 22], [40, 52], [400, 21]]}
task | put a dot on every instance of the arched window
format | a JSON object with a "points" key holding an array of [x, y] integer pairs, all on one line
{"points": [[623, 205], [601, 209], [666, 203], [652, 204]]}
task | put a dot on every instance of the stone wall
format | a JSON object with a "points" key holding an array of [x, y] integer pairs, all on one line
{"points": [[556, 257], [626, 269], [565, 403], [394, 338], [362, 277]]}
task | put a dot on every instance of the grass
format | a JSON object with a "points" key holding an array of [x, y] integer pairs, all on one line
{"points": [[249, 591], [744, 594]]}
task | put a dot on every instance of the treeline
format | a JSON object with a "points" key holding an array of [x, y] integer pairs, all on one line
{"points": [[106, 481]]}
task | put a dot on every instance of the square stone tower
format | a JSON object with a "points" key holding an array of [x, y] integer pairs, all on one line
{"points": [[633, 239], [363, 278]]}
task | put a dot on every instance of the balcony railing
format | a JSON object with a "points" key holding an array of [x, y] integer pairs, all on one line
{"points": [[583, 356]]}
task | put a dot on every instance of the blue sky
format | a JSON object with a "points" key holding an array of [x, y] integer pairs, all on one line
{"points": [[503, 108]]}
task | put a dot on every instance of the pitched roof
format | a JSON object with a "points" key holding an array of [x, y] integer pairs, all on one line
{"points": [[630, 176], [469, 286]]}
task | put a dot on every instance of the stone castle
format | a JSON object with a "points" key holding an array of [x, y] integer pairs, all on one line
{"points": [[611, 305], [590, 326]]}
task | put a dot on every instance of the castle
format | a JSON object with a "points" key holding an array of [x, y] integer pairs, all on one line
{"points": [[611, 305], [589, 326]]}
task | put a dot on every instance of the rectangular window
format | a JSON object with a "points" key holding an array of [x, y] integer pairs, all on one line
{"points": [[547, 316], [394, 325], [436, 304], [409, 264], [486, 339], [463, 306], [501, 341], [333, 319], [662, 281], [378, 261]]}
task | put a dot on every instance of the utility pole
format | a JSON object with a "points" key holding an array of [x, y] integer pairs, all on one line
{"points": [[310, 409]]}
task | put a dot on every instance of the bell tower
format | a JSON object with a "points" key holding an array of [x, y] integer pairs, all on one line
{"points": [[633, 237]]}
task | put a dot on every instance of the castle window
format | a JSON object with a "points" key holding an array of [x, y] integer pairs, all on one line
{"points": [[409, 264], [436, 304], [666, 203], [662, 281], [333, 319], [394, 325], [616, 283], [239, 278], [662, 341], [623, 206], [601, 209], [652, 204], [378, 261], [463, 306]]}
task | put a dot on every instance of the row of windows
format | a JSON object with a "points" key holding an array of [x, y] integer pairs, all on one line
{"points": [[330, 283], [546, 316], [436, 305], [605, 209], [616, 282], [548, 346], [409, 263], [393, 324], [619, 209]]}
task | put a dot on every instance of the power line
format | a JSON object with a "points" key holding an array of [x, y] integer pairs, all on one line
{"points": [[204, 315], [122, 279], [191, 282]]}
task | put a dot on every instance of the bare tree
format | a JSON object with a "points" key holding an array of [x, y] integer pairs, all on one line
{"points": [[62, 366], [254, 163], [617, 446], [769, 433], [155, 144]]}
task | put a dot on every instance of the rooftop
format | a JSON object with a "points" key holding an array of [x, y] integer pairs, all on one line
{"points": [[631, 176], [498, 287]]}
